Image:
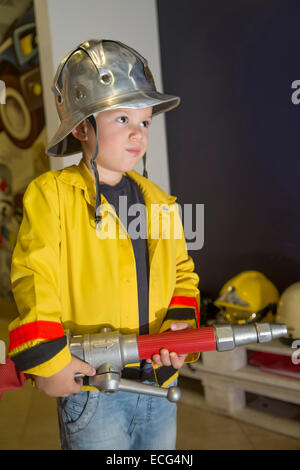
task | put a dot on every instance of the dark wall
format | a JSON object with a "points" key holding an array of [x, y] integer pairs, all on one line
{"points": [[234, 142]]}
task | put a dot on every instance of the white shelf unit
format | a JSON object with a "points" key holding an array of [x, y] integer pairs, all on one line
{"points": [[226, 377]]}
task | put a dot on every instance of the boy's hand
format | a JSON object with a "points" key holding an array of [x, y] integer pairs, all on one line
{"points": [[166, 358], [63, 383]]}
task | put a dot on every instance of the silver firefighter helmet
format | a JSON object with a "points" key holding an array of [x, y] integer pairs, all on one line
{"points": [[101, 75]]}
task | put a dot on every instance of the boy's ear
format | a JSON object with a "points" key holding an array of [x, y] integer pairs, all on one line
{"points": [[80, 132]]}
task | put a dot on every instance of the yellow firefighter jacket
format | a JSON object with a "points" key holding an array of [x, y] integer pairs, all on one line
{"points": [[66, 275]]}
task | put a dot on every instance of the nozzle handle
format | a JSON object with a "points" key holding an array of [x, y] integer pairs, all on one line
{"points": [[172, 393]]}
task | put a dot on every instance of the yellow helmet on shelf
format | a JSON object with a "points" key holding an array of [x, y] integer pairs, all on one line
{"points": [[249, 296]]}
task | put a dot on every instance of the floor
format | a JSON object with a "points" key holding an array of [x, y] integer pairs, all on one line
{"points": [[28, 421]]}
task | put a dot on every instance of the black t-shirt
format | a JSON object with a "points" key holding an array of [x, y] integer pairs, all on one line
{"points": [[134, 220]]}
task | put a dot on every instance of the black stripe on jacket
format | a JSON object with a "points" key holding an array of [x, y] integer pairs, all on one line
{"points": [[181, 314], [38, 354], [164, 373]]}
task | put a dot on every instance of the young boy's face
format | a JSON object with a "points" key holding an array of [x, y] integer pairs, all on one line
{"points": [[122, 138]]}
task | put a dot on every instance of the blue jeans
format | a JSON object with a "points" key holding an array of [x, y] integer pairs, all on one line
{"points": [[119, 421]]}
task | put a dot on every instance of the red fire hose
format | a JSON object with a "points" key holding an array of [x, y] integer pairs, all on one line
{"points": [[181, 342]]}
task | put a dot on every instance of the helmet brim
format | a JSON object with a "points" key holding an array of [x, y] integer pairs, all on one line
{"points": [[63, 143], [230, 305]]}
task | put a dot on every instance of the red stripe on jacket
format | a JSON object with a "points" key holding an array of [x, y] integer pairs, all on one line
{"points": [[187, 302], [35, 330]]}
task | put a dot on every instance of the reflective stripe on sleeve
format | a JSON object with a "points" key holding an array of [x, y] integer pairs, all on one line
{"points": [[184, 301], [44, 330]]}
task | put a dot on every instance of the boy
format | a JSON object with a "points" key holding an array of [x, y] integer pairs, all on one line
{"points": [[67, 275]]}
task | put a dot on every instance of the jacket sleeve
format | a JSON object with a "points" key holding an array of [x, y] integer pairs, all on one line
{"points": [[37, 339], [184, 304], [185, 301]]}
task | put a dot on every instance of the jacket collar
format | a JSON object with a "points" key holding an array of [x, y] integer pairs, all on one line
{"points": [[80, 177]]}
